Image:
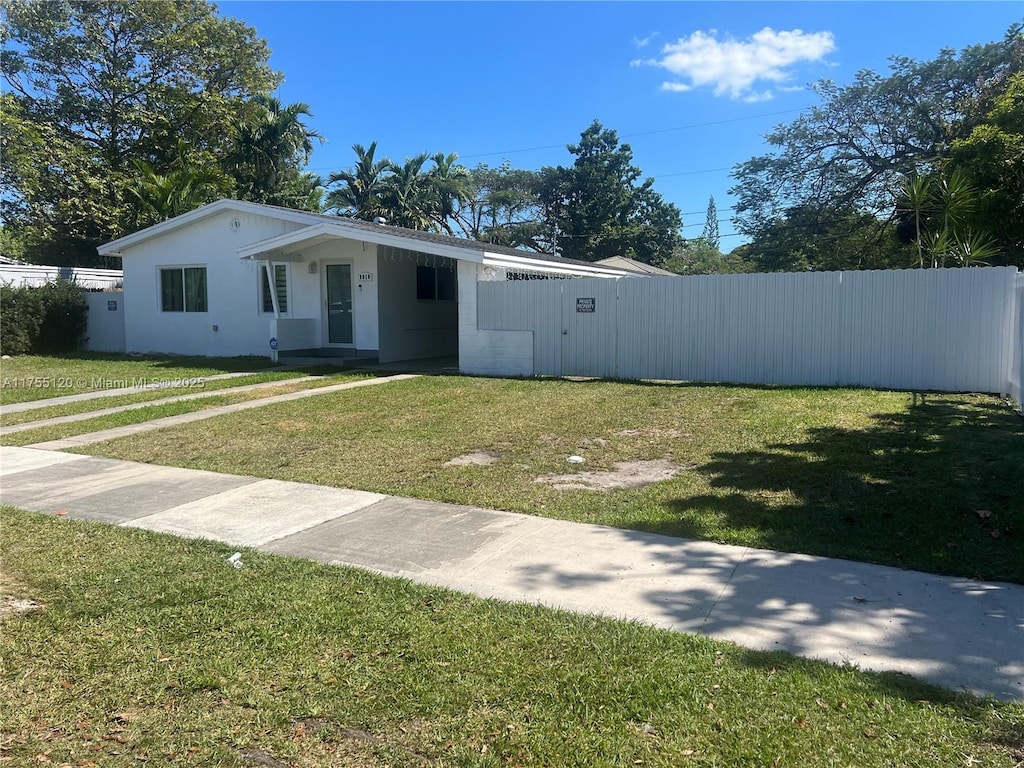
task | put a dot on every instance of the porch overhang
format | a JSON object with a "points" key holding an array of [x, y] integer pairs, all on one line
{"points": [[569, 269], [289, 247]]}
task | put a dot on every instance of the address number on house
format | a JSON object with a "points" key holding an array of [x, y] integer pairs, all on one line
{"points": [[586, 305]]}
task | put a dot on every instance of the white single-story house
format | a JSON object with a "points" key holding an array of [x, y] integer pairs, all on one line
{"points": [[239, 278]]}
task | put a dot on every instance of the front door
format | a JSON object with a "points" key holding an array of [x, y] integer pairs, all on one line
{"points": [[338, 278]]}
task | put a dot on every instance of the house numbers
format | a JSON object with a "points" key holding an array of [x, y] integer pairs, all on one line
{"points": [[365, 277], [586, 305]]}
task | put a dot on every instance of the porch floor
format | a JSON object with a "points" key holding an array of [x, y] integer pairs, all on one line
{"points": [[428, 366], [348, 358]]}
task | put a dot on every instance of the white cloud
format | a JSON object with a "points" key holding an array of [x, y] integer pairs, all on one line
{"points": [[733, 67], [643, 42]]}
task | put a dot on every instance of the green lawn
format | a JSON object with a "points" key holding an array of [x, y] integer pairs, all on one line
{"points": [[145, 649], [32, 377], [853, 473]]}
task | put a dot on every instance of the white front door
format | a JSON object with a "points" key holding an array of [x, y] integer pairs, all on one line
{"points": [[338, 315]]}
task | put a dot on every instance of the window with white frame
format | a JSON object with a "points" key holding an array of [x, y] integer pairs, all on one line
{"points": [[183, 289], [280, 288]]}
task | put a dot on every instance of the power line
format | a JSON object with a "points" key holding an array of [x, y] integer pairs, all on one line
{"points": [[624, 136], [646, 133]]}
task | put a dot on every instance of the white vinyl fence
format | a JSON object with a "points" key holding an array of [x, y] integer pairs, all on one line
{"points": [[1016, 385], [955, 330], [104, 321]]}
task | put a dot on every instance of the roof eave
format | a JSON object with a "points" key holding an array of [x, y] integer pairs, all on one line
{"points": [[117, 247]]}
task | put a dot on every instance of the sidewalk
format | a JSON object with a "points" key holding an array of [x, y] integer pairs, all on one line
{"points": [[954, 632]]}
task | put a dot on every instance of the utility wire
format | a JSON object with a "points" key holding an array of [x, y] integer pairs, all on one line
{"points": [[646, 133], [624, 136]]}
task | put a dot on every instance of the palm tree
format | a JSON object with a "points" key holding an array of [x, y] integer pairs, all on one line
{"points": [[408, 198], [271, 145], [156, 196], [942, 206], [450, 185], [362, 186]]}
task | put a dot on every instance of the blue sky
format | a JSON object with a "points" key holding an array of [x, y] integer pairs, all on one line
{"points": [[693, 87]]}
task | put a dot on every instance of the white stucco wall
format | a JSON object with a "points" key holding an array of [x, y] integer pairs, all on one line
{"points": [[488, 353], [233, 297]]}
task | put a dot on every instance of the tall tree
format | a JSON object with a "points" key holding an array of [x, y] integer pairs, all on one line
{"points": [[992, 156], [710, 234], [502, 207], [851, 154], [450, 187], [804, 241], [271, 145], [408, 194], [408, 198], [154, 196], [599, 207], [936, 214], [358, 191], [94, 87]]}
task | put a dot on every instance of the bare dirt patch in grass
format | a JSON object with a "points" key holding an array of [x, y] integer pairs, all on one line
{"points": [[15, 605], [14, 598], [627, 474], [474, 459]]}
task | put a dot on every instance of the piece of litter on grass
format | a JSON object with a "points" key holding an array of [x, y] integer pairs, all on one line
{"points": [[236, 560], [575, 459]]}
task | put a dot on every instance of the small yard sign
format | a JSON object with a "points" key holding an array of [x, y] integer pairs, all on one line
{"points": [[586, 305]]}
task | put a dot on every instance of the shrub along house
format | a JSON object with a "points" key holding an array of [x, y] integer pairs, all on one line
{"points": [[238, 278]]}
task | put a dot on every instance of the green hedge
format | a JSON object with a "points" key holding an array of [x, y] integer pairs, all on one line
{"points": [[43, 320]]}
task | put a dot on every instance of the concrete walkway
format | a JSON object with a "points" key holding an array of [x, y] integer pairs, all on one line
{"points": [[113, 433], [165, 383], [955, 632], [86, 415]]}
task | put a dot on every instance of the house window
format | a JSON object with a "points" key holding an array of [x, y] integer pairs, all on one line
{"points": [[280, 288], [435, 283], [183, 289]]}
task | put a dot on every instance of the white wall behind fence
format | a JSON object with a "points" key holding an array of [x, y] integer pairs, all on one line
{"points": [[937, 329], [34, 275]]}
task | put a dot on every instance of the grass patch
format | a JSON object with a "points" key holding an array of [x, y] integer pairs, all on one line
{"points": [[850, 473], [150, 413], [36, 377], [144, 647]]}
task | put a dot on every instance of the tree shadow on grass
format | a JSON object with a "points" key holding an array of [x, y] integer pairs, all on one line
{"points": [[938, 487]]}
